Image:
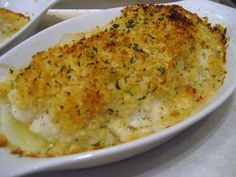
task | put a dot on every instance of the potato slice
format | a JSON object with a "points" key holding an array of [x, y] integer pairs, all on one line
{"points": [[19, 134]]}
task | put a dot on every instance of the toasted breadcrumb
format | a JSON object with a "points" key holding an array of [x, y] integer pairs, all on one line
{"points": [[146, 70], [11, 22]]}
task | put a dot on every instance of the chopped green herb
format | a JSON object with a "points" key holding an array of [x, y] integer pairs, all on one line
{"points": [[28, 67], [225, 30], [45, 57], [117, 85], [58, 83], [131, 60], [161, 18], [146, 118], [151, 36], [162, 70], [142, 98], [96, 144], [145, 21], [110, 110], [95, 50], [78, 56], [115, 26], [129, 92], [62, 69], [145, 8], [131, 23], [78, 112], [106, 62], [11, 70], [137, 48], [90, 53], [69, 69], [91, 63]]}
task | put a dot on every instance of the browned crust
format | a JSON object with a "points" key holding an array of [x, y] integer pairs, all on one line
{"points": [[94, 94], [3, 140], [11, 22], [7, 11]]}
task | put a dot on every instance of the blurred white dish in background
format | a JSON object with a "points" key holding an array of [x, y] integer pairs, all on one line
{"points": [[55, 16], [35, 9], [216, 14]]}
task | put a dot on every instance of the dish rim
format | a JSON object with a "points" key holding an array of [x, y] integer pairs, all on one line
{"points": [[34, 19], [55, 162]]}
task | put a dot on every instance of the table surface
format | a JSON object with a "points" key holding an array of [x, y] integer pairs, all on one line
{"points": [[207, 149]]}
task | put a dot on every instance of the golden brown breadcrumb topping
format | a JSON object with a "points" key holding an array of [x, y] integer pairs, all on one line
{"points": [[92, 87], [11, 22]]}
